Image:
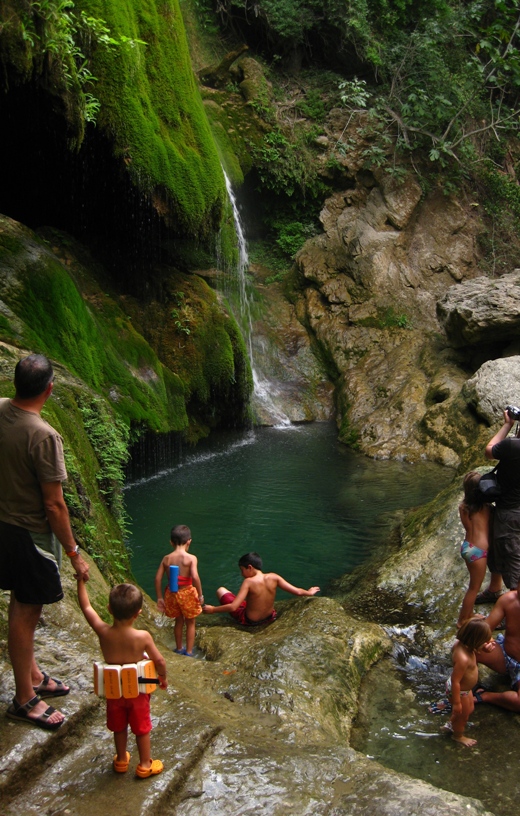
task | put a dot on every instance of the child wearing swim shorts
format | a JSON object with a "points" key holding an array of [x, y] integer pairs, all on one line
{"points": [[185, 604], [476, 517], [121, 643], [472, 636], [254, 603]]}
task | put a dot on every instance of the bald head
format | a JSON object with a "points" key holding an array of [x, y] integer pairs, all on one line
{"points": [[32, 376]]}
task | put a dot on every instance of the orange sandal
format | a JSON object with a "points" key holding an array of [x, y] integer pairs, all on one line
{"points": [[121, 765], [155, 768]]}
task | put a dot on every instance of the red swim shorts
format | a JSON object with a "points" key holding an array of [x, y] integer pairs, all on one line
{"points": [[240, 613], [134, 713]]}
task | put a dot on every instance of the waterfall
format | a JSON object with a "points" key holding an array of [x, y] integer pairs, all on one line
{"points": [[264, 399]]}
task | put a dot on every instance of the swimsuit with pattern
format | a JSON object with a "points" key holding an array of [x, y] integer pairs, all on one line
{"points": [[471, 553]]}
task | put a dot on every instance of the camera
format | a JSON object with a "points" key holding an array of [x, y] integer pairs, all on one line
{"points": [[513, 412]]}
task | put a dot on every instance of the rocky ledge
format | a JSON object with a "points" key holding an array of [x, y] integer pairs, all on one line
{"points": [[259, 723]]}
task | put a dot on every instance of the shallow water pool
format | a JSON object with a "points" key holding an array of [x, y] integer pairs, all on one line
{"points": [[395, 728]]}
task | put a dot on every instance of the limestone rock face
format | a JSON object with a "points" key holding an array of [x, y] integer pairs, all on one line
{"points": [[394, 248], [482, 310], [371, 282], [306, 670]]}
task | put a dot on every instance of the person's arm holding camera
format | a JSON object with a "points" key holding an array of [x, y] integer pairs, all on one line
{"points": [[501, 434]]}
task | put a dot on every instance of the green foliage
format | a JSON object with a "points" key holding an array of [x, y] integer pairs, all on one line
{"points": [[440, 77], [125, 65], [266, 253], [500, 242], [181, 314], [55, 31], [313, 105], [292, 236], [286, 166], [205, 15], [388, 319], [93, 521], [354, 93], [109, 437], [449, 84], [100, 346]]}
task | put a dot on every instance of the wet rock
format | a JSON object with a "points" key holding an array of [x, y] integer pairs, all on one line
{"points": [[305, 668], [313, 782], [291, 382], [280, 748]]}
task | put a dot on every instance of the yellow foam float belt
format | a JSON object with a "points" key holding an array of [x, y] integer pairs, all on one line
{"points": [[127, 680]]}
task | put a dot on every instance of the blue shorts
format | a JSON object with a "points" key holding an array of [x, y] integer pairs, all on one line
{"points": [[512, 665], [471, 553]]}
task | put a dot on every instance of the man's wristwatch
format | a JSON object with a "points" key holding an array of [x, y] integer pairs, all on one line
{"points": [[72, 553]]}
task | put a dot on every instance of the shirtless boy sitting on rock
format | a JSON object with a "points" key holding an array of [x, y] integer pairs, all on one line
{"points": [[503, 654], [254, 603]]}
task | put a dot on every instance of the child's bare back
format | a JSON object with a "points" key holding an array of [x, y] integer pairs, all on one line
{"points": [[261, 592], [121, 644], [186, 562]]}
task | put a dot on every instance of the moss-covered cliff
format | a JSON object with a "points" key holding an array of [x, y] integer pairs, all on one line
{"points": [[151, 106], [126, 65]]}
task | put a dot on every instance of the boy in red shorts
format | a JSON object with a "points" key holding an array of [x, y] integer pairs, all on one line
{"points": [[121, 643], [254, 603], [185, 604]]}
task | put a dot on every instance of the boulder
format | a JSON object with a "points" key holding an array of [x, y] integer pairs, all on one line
{"points": [[494, 386], [482, 310]]}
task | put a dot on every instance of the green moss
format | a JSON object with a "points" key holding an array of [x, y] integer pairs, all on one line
{"points": [[151, 107], [128, 69], [99, 345], [387, 318], [6, 332], [92, 493], [8, 243]]}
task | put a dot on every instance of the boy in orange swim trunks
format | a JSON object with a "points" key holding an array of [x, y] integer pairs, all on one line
{"points": [[185, 604]]}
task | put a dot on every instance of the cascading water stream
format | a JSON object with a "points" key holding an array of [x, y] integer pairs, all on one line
{"points": [[264, 394]]}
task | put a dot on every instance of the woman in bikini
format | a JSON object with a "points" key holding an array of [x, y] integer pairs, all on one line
{"points": [[476, 517]]}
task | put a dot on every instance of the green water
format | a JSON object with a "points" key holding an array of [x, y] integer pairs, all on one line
{"points": [[395, 728], [310, 507]]}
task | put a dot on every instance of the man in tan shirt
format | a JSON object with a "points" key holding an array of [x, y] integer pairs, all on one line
{"points": [[33, 519]]}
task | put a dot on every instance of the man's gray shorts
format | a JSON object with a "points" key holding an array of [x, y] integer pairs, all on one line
{"points": [[504, 553]]}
